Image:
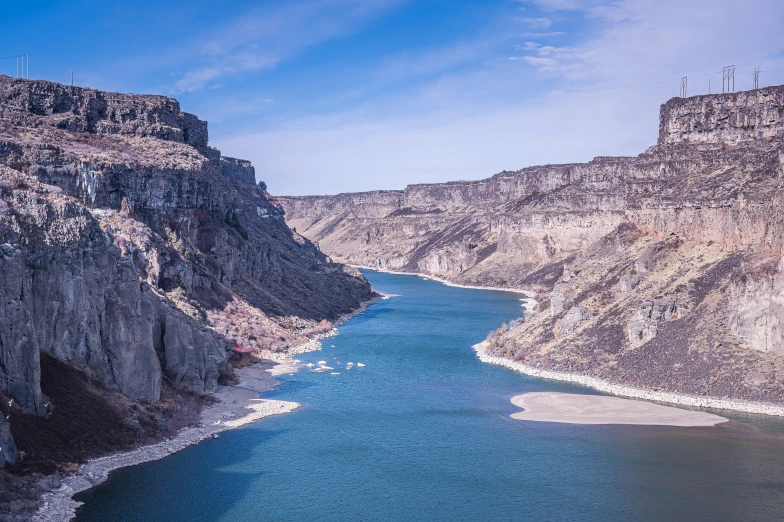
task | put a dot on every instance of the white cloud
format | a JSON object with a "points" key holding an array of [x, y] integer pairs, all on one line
{"points": [[263, 38], [543, 35], [560, 5], [429, 62], [543, 63], [550, 58], [528, 46], [503, 116], [536, 23]]}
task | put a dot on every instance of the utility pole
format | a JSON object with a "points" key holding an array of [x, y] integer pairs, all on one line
{"points": [[71, 77], [684, 86], [728, 79], [755, 81], [24, 61], [708, 85]]}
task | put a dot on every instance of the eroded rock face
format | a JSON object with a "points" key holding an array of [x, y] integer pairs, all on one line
{"points": [[20, 372], [629, 283], [756, 311], [572, 320], [74, 294], [644, 324], [195, 355]]}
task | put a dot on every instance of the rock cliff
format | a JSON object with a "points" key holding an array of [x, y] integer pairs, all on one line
{"points": [[133, 252], [660, 271]]}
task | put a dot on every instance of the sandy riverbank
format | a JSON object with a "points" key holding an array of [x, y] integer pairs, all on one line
{"points": [[573, 408], [239, 405], [628, 391]]}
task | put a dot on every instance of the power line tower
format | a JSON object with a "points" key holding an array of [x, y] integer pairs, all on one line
{"points": [[24, 61], [684, 86], [755, 81], [728, 79]]}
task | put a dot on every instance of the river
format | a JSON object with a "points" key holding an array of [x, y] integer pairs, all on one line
{"points": [[423, 432]]}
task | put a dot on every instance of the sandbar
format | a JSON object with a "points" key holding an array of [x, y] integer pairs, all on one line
{"points": [[575, 408]]}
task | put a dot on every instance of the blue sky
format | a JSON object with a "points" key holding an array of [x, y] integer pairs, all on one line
{"points": [[328, 96]]}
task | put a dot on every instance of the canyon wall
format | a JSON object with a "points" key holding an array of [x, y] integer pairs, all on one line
{"points": [[135, 253], [660, 271]]}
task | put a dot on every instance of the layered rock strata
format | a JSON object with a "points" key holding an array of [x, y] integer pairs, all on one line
{"points": [[133, 251], [660, 271]]}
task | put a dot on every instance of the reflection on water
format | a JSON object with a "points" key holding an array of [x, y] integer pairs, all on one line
{"points": [[423, 433]]}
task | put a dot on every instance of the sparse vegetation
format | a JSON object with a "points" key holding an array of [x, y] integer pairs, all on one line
{"points": [[87, 419]]}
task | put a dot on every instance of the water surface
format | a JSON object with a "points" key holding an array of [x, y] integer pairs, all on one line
{"points": [[423, 433]]}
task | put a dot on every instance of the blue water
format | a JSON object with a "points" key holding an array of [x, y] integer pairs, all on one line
{"points": [[423, 433]]}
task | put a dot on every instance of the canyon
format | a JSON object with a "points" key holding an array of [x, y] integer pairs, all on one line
{"points": [[139, 266], [661, 271], [136, 263]]}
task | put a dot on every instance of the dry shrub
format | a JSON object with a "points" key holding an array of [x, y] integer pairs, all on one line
{"points": [[250, 329]]}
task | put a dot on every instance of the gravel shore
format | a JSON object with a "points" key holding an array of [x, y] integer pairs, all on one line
{"points": [[628, 391], [238, 406]]}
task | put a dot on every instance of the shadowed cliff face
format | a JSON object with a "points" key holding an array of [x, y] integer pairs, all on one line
{"points": [[661, 270], [133, 251]]}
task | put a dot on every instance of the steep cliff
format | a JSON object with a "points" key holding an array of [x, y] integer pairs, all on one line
{"points": [[660, 271], [133, 252]]}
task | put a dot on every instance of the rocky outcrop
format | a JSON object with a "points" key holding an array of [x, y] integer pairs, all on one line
{"points": [[730, 118], [84, 110], [644, 324], [238, 170], [134, 252], [8, 451], [756, 316], [572, 320], [658, 271]]}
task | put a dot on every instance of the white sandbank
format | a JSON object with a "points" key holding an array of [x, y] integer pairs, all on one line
{"points": [[628, 391], [575, 408]]}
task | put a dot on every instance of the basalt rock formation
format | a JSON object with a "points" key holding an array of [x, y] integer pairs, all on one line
{"points": [[661, 271], [133, 252]]}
